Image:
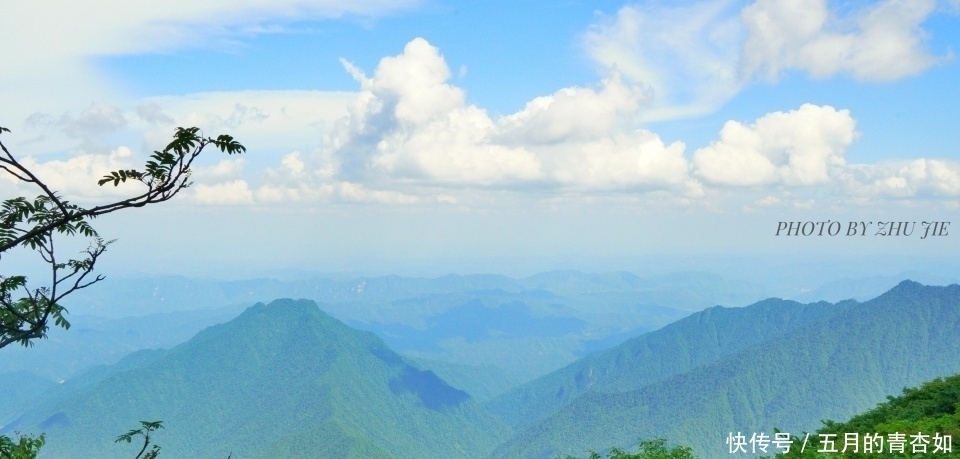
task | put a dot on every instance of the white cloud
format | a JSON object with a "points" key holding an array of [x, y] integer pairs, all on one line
{"points": [[266, 122], [358, 193], [637, 159], [293, 163], [53, 66], [799, 147], [880, 42], [917, 178], [686, 55], [226, 193], [151, 25], [415, 84], [573, 114], [76, 177], [454, 150], [409, 125], [230, 168], [278, 120], [696, 57], [344, 192], [768, 201]]}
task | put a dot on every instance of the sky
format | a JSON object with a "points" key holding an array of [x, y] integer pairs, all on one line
{"points": [[435, 136]]}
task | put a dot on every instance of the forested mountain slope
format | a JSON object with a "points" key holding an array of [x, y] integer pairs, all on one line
{"points": [[701, 338], [269, 383], [829, 369], [926, 418]]}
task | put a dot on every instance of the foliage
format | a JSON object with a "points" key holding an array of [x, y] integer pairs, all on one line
{"points": [[933, 408], [36, 223], [24, 448], [147, 427], [648, 449]]}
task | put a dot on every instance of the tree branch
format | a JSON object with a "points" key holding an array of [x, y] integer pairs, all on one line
{"points": [[33, 178], [34, 224]]}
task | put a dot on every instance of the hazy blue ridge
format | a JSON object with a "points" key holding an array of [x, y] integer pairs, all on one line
{"points": [[93, 341], [268, 381], [58, 393], [701, 338], [828, 369], [866, 288], [517, 325], [514, 327], [119, 297], [18, 389]]}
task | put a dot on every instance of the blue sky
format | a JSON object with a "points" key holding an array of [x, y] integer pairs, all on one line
{"points": [[412, 132]]}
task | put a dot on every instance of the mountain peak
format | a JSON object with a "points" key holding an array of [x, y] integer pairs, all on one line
{"points": [[905, 287], [301, 370]]}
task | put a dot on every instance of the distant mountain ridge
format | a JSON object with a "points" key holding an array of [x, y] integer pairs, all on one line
{"points": [[138, 296], [829, 368], [562, 314], [699, 339]]}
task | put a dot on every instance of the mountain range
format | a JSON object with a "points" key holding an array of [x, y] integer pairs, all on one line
{"points": [[287, 380], [829, 366]]}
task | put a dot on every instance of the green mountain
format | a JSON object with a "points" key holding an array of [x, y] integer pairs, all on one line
{"points": [[699, 339], [281, 380], [829, 368], [928, 417]]}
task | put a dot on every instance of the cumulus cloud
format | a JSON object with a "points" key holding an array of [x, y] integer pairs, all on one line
{"points": [[293, 163], [879, 42], [800, 147], [409, 125], [917, 178], [629, 160], [76, 177], [573, 114]]}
